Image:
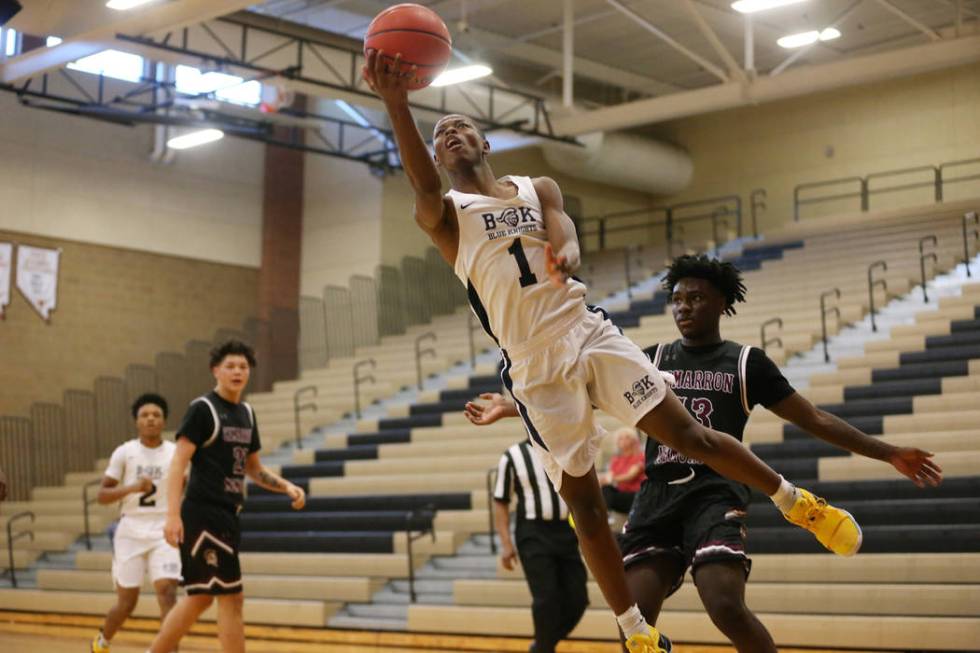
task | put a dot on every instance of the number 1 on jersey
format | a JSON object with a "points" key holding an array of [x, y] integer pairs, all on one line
{"points": [[527, 277]]}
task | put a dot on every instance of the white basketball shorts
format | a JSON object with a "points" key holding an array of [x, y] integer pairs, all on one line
{"points": [[557, 378], [132, 557]]}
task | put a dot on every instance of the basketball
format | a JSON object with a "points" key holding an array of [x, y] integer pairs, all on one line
{"points": [[418, 34]]}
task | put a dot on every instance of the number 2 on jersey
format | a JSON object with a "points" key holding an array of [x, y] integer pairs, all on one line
{"points": [[527, 277], [147, 500]]}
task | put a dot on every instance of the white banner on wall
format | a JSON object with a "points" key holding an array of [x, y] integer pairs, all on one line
{"points": [[37, 277], [6, 266]]}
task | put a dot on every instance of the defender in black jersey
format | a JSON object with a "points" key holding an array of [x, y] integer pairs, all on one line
{"points": [[685, 513], [219, 436]]}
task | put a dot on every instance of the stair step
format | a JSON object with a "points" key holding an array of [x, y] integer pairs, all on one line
{"points": [[378, 611], [365, 623]]}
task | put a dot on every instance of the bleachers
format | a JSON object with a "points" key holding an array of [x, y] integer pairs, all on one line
{"points": [[422, 467]]}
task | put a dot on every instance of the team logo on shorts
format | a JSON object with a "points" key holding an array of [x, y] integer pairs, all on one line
{"points": [[211, 557], [640, 391]]}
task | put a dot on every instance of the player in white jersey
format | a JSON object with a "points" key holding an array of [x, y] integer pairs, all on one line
{"points": [[136, 478], [512, 245]]}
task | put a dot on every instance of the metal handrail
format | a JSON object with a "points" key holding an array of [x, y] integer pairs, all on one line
{"points": [[11, 538], [797, 202], [666, 216], [86, 502], [419, 353], [874, 283], [954, 164], [491, 530], [411, 537], [358, 380], [936, 182], [824, 311], [940, 179], [923, 256], [770, 341], [967, 218], [757, 200], [297, 409]]}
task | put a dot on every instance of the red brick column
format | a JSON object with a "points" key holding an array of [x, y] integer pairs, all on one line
{"points": [[279, 276]]}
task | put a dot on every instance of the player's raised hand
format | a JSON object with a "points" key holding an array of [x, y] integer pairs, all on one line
{"points": [[385, 76], [916, 464], [173, 530], [298, 496], [559, 267], [498, 408]]}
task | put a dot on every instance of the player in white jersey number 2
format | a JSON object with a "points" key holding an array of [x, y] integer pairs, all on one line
{"points": [[136, 477], [514, 248]]}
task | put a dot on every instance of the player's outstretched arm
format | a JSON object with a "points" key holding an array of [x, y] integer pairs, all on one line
{"points": [[498, 408], [913, 463], [564, 256], [392, 87], [173, 529], [264, 477]]}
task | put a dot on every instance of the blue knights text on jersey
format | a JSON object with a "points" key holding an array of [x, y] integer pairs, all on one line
{"points": [[501, 261]]}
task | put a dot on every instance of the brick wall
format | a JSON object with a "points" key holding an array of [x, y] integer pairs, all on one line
{"points": [[115, 307]]}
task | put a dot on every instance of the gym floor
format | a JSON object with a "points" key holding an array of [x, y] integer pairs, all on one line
{"points": [[39, 633]]}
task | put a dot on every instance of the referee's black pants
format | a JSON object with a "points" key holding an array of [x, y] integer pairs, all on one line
{"points": [[556, 577]]}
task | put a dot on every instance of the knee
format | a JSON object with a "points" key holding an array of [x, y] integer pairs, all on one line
{"points": [[200, 602], [232, 602], [126, 603], [167, 595], [727, 612]]}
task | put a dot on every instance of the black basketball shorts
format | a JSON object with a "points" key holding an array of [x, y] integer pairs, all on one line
{"points": [[209, 552], [702, 520]]}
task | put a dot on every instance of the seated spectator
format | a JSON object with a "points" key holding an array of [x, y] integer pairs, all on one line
{"points": [[621, 483]]}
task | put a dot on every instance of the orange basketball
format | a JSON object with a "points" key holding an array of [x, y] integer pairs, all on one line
{"points": [[418, 34]]}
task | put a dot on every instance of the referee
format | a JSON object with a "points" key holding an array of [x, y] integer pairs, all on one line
{"points": [[545, 542]]}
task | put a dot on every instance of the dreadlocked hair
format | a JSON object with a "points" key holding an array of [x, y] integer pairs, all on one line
{"points": [[722, 275]]}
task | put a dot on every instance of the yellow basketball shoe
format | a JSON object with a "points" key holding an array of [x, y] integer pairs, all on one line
{"points": [[652, 642], [833, 527], [99, 645]]}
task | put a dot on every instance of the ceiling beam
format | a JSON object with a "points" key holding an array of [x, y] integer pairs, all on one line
{"points": [[797, 82], [153, 19], [542, 56], [669, 40], [733, 68], [922, 27]]}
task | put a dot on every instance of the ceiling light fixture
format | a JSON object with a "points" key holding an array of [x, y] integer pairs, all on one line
{"points": [[193, 139], [752, 6], [808, 38], [461, 74], [123, 5]]}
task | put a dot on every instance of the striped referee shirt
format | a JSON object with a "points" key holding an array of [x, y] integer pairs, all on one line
{"points": [[521, 472]]}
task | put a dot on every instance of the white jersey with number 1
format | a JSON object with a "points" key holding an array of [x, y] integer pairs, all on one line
{"points": [[501, 261], [143, 513]]}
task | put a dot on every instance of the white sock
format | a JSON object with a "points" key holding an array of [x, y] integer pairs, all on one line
{"points": [[786, 496], [102, 640], [632, 622]]}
